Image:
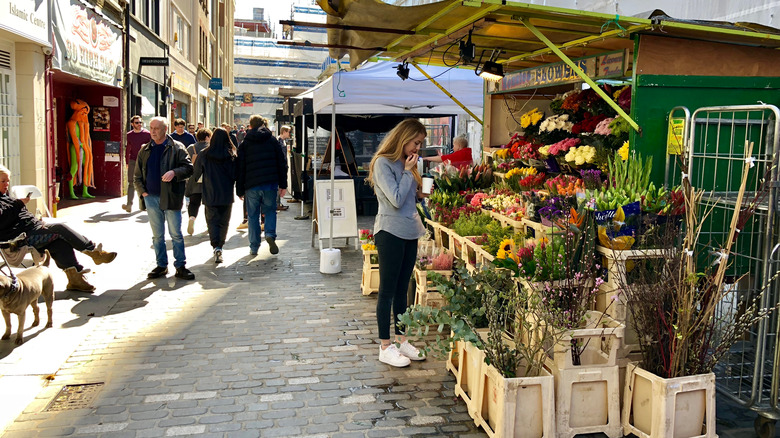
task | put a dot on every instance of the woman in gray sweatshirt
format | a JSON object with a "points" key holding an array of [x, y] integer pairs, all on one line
{"points": [[396, 181]]}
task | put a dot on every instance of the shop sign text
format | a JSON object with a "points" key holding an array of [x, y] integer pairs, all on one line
{"points": [[610, 64], [29, 18]]}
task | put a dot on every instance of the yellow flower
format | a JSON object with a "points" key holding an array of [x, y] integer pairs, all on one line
{"points": [[623, 151], [618, 92], [512, 172], [530, 118], [368, 247], [507, 245]]}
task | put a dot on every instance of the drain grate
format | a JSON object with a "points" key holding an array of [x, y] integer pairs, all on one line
{"points": [[74, 397]]}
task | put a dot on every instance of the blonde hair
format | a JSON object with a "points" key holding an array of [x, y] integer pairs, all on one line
{"points": [[392, 146]]}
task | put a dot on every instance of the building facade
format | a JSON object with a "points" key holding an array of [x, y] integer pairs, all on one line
{"points": [[266, 71], [24, 53]]}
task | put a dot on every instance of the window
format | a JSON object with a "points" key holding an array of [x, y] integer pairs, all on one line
{"points": [[148, 13], [182, 39]]}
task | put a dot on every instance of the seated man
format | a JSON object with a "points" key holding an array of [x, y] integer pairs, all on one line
{"points": [[460, 156], [59, 239]]}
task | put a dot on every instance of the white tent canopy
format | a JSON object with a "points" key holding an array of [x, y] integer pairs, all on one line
{"points": [[377, 89]]}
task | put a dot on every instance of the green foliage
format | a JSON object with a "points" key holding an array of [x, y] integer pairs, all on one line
{"points": [[463, 313], [472, 225], [620, 127], [496, 233], [444, 199]]}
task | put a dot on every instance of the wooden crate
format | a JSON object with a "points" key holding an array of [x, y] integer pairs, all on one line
{"points": [[654, 407], [426, 293], [587, 400], [536, 230], [472, 361], [611, 298], [453, 359], [587, 395], [370, 281], [522, 407], [441, 234]]}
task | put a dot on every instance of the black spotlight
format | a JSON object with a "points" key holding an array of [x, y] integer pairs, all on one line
{"points": [[467, 50], [403, 71]]}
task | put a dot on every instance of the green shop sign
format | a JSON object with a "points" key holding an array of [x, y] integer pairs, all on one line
{"points": [[605, 65]]}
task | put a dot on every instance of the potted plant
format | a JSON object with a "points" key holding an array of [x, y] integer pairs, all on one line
{"points": [[426, 292], [674, 306]]}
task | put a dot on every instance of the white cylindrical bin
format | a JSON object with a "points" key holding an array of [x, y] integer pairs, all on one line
{"points": [[330, 261]]}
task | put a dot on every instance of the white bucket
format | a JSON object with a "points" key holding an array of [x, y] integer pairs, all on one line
{"points": [[330, 261]]}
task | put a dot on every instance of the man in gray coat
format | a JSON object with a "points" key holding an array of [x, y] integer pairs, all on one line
{"points": [[160, 177]]}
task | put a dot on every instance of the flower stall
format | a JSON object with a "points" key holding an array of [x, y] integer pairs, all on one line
{"points": [[576, 240]]}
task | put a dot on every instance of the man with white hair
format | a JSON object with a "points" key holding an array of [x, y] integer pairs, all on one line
{"points": [[460, 156], [161, 173]]}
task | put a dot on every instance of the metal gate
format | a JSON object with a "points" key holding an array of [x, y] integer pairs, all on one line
{"points": [[721, 141]]}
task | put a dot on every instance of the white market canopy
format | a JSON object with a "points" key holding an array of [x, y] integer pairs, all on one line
{"points": [[376, 89]]}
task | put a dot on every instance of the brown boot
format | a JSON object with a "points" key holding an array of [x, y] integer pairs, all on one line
{"points": [[76, 281], [100, 256]]}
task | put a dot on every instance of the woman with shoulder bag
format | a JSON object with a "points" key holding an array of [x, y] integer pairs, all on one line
{"points": [[216, 164]]}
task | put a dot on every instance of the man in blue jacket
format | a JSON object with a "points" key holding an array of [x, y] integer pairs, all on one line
{"points": [[261, 174], [160, 176]]}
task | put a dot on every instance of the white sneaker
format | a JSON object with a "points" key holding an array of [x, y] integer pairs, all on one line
{"points": [[217, 256], [411, 351], [393, 357], [191, 226]]}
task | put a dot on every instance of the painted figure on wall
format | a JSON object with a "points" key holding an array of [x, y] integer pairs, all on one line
{"points": [[80, 150]]}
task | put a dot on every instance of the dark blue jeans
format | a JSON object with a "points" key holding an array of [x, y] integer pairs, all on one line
{"points": [[396, 263]]}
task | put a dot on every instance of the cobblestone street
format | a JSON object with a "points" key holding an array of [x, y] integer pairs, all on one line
{"points": [[257, 346]]}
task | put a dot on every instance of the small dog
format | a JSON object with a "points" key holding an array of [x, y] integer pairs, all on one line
{"points": [[14, 298]]}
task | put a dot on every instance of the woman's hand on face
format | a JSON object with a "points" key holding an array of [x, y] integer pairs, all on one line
{"points": [[411, 162]]}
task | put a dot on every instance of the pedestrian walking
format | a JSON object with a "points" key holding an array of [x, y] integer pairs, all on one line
{"points": [[194, 189], [191, 129], [161, 171], [59, 239], [216, 165], [181, 135], [284, 135], [396, 181], [136, 137], [261, 174]]}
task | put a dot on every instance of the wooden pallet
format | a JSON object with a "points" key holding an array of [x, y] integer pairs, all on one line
{"points": [[426, 292], [370, 280]]}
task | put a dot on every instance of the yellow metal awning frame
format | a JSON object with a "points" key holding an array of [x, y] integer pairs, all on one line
{"points": [[509, 27]]}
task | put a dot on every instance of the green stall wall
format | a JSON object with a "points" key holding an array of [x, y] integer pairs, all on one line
{"points": [[653, 96]]}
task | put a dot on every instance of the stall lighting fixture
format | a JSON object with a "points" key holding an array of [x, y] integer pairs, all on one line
{"points": [[403, 70], [491, 70], [467, 50]]}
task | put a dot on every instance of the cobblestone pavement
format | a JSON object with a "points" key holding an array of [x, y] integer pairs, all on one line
{"points": [[257, 346]]}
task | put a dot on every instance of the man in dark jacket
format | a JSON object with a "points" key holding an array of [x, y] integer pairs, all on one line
{"points": [[161, 173], [261, 174]]}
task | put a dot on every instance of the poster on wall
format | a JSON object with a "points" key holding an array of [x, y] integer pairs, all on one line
{"points": [[85, 44], [102, 118], [112, 151]]}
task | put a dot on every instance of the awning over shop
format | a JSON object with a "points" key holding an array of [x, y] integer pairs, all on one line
{"points": [[376, 89], [437, 29]]}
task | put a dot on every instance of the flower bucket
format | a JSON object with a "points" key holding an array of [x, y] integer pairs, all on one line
{"points": [[682, 407], [521, 407]]}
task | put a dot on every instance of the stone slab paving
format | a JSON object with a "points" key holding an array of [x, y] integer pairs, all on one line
{"points": [[260, 346], [257, 346]]}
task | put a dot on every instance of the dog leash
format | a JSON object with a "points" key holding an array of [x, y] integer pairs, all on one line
{"points": [[14, 281]]}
